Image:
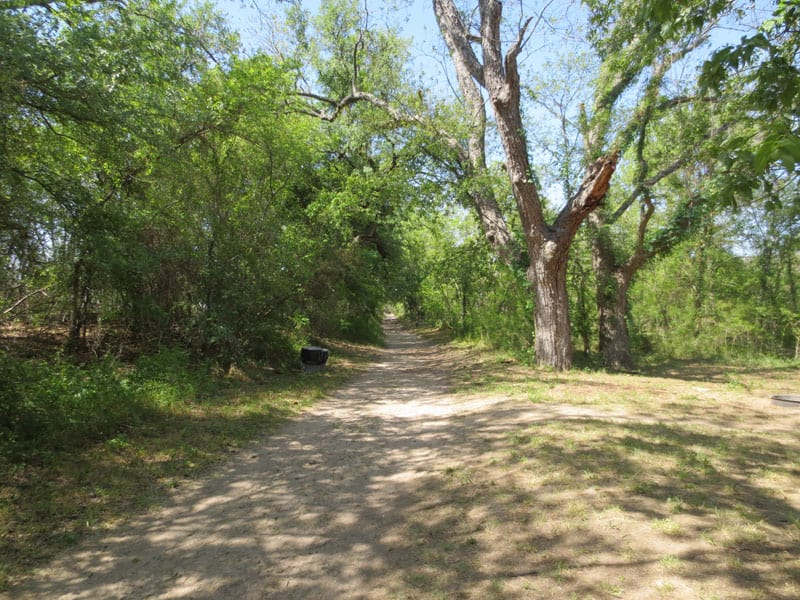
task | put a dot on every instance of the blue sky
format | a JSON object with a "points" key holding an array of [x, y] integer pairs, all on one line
{"points": [[416, 19], [246, 16], [250, 18]]}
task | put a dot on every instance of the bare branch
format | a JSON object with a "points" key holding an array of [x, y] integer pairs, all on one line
{"points": [[23, 4], [25, 297], [682, 100], [319, 98], [516, 47], [639, 256], [523, 36], [359, 45], [338, 107]]}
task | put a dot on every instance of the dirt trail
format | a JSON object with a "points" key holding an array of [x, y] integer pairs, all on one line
{"points": [[315, 510], [394, 488]]}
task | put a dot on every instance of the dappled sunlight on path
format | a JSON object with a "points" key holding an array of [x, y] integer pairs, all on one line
{"points": [[394, 487], [314, 510]]}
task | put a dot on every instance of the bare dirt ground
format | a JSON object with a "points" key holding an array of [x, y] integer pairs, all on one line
{"points": [[373, 494], [310, 512]]}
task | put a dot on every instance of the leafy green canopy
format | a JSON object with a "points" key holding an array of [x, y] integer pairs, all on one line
{"points": [[764, 72], [158, 182]]}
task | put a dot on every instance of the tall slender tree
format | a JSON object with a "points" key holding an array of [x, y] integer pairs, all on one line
{"points": [[497, 73]]}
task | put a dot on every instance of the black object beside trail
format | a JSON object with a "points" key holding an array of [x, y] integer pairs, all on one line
{"points": [[313, 358]]}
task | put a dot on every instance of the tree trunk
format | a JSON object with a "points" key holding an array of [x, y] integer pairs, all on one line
{"points": [[612, 305], [494, 225], [548, 247], [612, 282], [483, 198], [699, 290], [793, 302], [80, 305], [791, 280], [583, 319], [76, 320], [553, 339]]}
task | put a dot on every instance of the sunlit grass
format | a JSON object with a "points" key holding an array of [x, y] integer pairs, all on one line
{"points": [[686, 472]]}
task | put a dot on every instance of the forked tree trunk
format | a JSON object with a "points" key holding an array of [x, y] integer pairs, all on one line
{"points": [[614, 272], [548, 247], [548, 244]]}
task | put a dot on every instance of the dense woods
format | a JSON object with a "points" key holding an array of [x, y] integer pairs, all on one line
{"points": [[628, 196]]}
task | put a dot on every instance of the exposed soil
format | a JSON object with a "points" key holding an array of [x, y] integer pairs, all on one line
{"points": [[347, 500], [310, 511]]}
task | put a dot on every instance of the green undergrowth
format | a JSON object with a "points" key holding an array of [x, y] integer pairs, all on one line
{"points": [[84, 446]]}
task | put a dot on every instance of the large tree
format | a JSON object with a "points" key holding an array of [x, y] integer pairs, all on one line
{"points": [[497, 72], [636, 47], [689, 150]]}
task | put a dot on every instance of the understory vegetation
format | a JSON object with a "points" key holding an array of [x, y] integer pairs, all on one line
{"points": [[85, 447]]}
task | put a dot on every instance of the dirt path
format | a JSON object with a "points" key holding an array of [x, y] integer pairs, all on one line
{"points": [[393, 488], [314, 511]]}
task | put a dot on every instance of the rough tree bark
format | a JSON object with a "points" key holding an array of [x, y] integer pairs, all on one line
{"points": [[473, 162], [547, 244], [613, 281]]}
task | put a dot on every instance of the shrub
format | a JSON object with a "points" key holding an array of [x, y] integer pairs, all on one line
{"points": [[55, 405]]}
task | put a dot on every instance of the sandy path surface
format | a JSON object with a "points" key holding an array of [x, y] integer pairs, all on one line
{"points": [[316, 510], [370, 495]]}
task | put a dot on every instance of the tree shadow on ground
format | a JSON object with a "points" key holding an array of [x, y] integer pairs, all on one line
{"points": [[718, 372], [391, 489]]}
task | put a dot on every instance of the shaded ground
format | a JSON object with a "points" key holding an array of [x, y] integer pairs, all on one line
{"points": [[397, 488]]}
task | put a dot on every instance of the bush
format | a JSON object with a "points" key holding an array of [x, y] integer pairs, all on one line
{"points": [[54, 405], [57, 405]]}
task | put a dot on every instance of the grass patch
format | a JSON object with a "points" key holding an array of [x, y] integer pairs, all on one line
{"points": [[679, 482], [86, 447]]}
